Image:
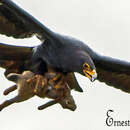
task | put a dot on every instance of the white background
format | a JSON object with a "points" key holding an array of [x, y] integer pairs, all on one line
{"points": [[105, 26]]}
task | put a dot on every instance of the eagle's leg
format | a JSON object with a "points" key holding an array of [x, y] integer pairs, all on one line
{"points": [[9, 102], [10, 89], [37, 78], [40, 83], [37, 84], [61, 81]]}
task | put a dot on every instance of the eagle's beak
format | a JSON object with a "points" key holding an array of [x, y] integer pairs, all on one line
{"points": [[92, 75]]}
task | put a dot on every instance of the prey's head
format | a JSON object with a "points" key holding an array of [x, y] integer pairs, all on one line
{"points": [[68, 103]]}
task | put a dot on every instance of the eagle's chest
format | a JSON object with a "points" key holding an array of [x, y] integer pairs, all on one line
{"points": [[51, 55], [63, 57], [58, 57]]}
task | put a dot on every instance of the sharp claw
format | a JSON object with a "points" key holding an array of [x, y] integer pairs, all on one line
{"points": [[56, 77], [58, 85], [43, 83]]}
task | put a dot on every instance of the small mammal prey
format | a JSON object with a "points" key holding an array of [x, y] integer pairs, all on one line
{"points": [[29, 85]]}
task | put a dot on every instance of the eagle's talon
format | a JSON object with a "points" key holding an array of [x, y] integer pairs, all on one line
{"points": [[56, 77], [35, 91], [57, 86], [29, 80]]}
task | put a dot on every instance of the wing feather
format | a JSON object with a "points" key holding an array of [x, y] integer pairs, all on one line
{"points": [[14, 59], [10, 52], [113, 72], [17, 23]]}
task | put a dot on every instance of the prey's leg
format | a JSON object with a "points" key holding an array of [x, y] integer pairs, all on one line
{"points": [[9, 102], [10, 89], [48, 104]]}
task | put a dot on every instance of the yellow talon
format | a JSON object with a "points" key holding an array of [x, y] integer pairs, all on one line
{"points": [[28, 80], [43, 83], [56, 77], [35, 91], [37, 84], [58, 85]]}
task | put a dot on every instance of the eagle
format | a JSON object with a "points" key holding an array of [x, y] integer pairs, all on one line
{"points": [[62, 53]]}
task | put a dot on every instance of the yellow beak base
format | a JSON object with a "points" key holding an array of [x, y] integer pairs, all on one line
{"points": [[92, 75]]}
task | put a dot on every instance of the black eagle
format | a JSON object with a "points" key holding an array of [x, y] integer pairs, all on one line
{"points": [[62, 53]]}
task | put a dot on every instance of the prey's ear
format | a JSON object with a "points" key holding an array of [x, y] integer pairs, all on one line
{"points": [[13, 77]]}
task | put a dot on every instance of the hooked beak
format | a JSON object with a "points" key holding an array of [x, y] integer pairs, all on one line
{"points": [[92, 75]]}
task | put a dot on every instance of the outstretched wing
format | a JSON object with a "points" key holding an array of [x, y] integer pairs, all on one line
{"points": [[17, 23], [14, 58], [113, 72]]}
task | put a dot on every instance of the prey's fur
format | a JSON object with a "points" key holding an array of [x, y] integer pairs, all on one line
{"points": [[29, 85]]}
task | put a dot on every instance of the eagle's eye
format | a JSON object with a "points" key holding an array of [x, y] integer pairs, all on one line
{"points": [[86, 66]]}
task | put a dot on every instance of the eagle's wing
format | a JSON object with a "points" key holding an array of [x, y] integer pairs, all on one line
{"points": [[17, 23], [14, 58], [113, 72]]}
